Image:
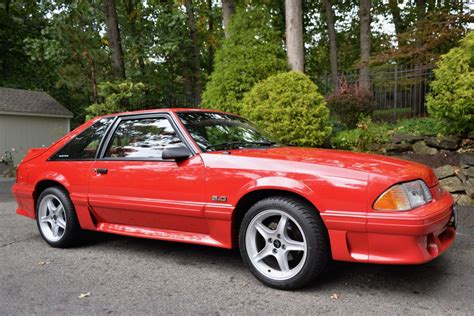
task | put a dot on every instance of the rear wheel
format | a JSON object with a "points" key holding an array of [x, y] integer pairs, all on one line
{"points": [[56, 218], [284, 243]]}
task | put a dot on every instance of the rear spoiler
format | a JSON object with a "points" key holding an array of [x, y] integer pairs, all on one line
{"points": [[33, 153]]}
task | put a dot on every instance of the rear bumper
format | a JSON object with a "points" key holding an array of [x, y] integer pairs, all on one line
{"points": [[412, 237], [23, 195]]}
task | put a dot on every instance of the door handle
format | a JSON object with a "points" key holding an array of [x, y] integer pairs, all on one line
{"points": [[101, 170]]}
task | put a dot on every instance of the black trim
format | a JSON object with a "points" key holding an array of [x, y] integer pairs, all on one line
{"points": [[50, 158], [101, 143], [109, 134]]}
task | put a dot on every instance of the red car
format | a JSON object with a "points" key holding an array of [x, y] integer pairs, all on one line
{"points": [[211, 178]]}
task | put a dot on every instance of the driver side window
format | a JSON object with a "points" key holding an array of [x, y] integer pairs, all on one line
{"points": [[142, 138]]}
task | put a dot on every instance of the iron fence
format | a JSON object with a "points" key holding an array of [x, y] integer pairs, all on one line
{"points": [[397, 91]]}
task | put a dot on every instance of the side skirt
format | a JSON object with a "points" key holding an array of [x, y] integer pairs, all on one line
{"points": [[160, 234]]}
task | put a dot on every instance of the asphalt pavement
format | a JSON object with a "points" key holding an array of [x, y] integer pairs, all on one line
{"points": [[119, 275]]}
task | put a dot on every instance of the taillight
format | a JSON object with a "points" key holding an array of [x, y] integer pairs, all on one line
{"points": [[21, 174]]}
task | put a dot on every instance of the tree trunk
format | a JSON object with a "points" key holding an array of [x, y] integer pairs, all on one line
{"points": [[420, 16], [397, 19], [365, 45], [210, 48], [92, 73], [131, 6], [115, 43], [418, 89], [294, 34], [7, 6], [195, 61], [332, 43], [228, 9]]}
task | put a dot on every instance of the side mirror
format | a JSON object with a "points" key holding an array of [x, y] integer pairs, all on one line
{"points": [[178, 153]]}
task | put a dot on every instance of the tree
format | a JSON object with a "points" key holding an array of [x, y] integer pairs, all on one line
{"points": [[133, 18], [398, 22], [115, 42], [332, 43], [294, 34], [228, 9], [365, 44], [252, 52], [210, 41], [420, 15], [425, 29], [195, 57], [451, 100]]}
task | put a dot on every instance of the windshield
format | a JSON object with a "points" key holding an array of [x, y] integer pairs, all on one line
{"points": [[217, 131]]}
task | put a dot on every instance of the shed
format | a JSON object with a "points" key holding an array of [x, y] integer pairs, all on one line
{"points": [[30, 119]]}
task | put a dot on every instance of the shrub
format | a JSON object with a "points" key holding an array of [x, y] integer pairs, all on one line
{"points": [[346, 139], [365, 137], [289, 107], [350, 103], [252, 52], [451, 101]]}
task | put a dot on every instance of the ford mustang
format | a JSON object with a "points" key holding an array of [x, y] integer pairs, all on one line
{"points": [[211, 178]]}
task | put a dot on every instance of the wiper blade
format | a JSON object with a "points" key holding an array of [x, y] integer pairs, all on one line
{"points": [[230, 144]]}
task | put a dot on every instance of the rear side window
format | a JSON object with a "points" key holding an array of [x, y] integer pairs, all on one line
{"points": [[142, 139], [84, 146]]}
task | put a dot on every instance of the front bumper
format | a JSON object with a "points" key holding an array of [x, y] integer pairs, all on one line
{"points": [[412, 237]]}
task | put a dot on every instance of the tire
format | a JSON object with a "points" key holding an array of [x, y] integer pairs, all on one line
{"points": [[267, 240], [56, 218]]}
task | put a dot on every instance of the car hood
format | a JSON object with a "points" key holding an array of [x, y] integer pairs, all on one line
{"points": [[370, 163]]}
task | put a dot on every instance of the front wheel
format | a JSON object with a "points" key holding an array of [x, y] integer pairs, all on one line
{"points": [[284, 242], [56, 218]]}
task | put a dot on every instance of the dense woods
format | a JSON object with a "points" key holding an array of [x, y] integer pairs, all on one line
{"points": [[99, 56]]}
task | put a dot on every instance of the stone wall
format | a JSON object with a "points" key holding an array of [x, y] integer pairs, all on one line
{"points": [[458, 179], [429, 145]]}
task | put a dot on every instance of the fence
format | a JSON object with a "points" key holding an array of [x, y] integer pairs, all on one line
{"points": [[398, 91]]}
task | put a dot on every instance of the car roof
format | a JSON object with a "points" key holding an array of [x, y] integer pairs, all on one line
{"points": [[166, 110]]}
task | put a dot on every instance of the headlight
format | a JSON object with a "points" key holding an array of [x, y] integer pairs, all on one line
{"points": [[404, 197]]}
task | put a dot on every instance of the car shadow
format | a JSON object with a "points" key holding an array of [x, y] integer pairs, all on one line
{"points": [[412, 279]]}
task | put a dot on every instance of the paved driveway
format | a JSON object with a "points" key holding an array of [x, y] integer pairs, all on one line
{"points": [[138, 276]]}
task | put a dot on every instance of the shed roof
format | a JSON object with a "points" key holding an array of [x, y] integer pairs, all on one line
{"points": [[27, 102]]}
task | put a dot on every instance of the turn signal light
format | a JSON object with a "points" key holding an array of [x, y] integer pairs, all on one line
{"points": [[404, 197]]}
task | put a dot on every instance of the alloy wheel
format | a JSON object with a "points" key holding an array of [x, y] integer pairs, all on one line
{"points": [[276, 244], [52, 218]]}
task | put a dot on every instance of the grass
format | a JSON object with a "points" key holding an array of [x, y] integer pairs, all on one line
{"points": [[388, 113]]}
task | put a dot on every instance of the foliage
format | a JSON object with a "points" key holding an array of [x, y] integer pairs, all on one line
{"points": [[289, 107], [350, 103], [451, 100], [415, 126], [61, 46], [252, 52], [363, 138], [368, 134], [118, 97], [424, 38]]}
